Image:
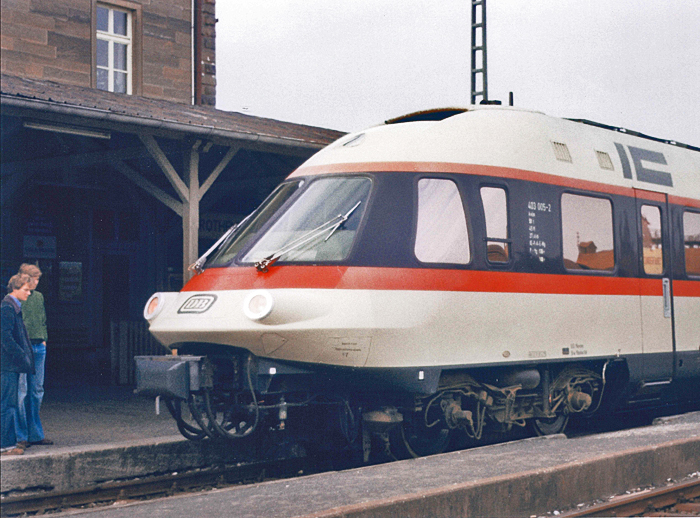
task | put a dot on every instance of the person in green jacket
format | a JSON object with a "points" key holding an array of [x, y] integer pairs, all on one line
{"points": [[28, 428]]}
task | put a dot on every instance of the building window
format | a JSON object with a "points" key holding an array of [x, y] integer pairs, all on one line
{"points": [[441, 232], [691, 238], [587, 233], [496, 215], [114, 49]]}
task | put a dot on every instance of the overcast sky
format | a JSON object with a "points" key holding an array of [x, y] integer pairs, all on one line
{"points": [[351, 64]]}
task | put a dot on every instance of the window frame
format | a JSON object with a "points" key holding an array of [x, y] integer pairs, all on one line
{"points": [[660, 208], [616, 245], [467, 216], [134, 59], [509, 237], [686, 210]]}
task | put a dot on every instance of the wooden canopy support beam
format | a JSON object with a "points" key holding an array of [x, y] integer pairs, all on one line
{"points": [[147, 186], [170, 173], [190, 213], [189, 190], [218, 169]]}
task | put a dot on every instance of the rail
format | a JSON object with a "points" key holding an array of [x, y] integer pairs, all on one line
{"points": [[151, 487], [681, 499]]}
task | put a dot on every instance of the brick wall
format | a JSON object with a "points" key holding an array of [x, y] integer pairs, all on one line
{"points": [[55, 39]]}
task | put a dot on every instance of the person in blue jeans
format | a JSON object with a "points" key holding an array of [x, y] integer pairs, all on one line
{"points": [[28, 429], [16, 358]]}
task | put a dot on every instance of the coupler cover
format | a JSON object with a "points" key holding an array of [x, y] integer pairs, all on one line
{"points": [[171, 376]]}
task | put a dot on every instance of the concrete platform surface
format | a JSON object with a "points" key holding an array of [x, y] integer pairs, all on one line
{"points": [[522, 478], [103, 434], [84, 416]]}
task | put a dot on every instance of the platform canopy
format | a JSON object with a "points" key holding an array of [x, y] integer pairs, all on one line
{"points": [[60, 133]]}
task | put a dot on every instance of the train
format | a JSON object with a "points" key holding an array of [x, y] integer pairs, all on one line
{"points": [[440, 279]]}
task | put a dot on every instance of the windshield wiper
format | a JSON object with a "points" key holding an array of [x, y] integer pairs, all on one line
{"points": [[198, 265], [329, 226]]}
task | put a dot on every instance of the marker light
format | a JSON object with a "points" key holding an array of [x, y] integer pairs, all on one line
{"points": [[153, 306], [258, 304]]}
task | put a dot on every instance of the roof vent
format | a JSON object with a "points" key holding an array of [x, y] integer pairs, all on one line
{"points": [[604, 160], [427, 115], [355, 141], [561, 151]]}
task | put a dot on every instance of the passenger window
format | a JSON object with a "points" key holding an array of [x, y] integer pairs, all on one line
{"points": [[652, 240], [496, 214], [441, 233], [691, 239], [587, 233]]}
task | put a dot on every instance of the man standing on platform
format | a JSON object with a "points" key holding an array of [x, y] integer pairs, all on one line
{"points": [[31, 386], [16, 358]]}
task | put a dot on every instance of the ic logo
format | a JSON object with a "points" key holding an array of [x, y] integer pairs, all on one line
{"points": [[197, 304]]}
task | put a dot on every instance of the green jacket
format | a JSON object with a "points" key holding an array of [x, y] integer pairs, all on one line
{"points": [[34, 316]]}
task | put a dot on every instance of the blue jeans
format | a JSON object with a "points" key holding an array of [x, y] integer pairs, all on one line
{"points": [[30, 394], [8, 408]]}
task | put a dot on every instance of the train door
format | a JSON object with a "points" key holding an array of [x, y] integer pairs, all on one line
{"points": [[656, 291]]}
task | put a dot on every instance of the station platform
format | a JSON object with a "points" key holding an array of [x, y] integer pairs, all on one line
{"points": [[82, 416], [105, 434]]}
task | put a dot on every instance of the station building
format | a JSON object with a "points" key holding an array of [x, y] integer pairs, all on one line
{"points": [[118, 170]]}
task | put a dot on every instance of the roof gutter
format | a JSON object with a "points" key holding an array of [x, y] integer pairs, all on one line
{"points": [[105, 116]]}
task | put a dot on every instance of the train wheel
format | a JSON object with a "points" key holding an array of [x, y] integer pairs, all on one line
{"points": [[413, 439], [549, 426], [229, 421]]}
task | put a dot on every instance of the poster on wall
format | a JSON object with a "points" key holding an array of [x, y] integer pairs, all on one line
{"points": [[39, 247], [70, 281]]}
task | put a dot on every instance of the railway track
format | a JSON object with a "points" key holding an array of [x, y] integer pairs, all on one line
{"points": [[152, 487], [681, 499], [201, 479]]}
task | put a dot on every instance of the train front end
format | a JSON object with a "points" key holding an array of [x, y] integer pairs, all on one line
{"points": [[264, 337]]}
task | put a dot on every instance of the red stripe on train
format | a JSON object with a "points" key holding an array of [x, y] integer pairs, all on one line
{"points": [[374, 278]]}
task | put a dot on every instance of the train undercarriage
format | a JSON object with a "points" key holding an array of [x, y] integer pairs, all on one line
{"points": [[213, 394]]}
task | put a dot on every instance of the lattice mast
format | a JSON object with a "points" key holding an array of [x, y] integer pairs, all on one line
{"points": [[478, 44]]}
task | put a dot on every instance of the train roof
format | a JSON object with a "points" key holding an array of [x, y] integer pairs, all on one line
{"points": [[514, 139]]}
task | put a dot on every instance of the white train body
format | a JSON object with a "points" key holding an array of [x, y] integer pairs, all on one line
{"points": [[415, 301]]}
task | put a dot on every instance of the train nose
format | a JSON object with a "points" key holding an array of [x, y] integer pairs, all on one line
{"points": [[258, 305]]}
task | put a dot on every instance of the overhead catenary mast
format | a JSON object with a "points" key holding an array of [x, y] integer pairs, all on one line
{"points": [[478, 44]]}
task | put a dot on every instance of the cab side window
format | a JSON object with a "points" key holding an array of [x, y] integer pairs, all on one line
{"points": [[587, 233], [495, 204], [691, 241], [441, 232], [652, 240]]}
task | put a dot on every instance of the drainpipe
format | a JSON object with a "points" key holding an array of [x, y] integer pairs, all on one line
{"points": [[192, 25], [197, 51]]}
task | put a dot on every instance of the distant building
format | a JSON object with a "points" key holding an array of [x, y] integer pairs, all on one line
{"points": [[137, 48], [117, 170]]}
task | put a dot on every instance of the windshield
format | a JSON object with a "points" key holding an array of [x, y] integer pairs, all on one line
{"points": [[320, 225], [250, 229]]}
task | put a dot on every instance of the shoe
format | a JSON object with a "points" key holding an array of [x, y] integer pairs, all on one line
{"points": [[43, 442], [13, 451], [23, 444]]}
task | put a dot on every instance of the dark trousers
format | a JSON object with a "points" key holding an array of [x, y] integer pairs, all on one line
{"points": [[8, 408]]}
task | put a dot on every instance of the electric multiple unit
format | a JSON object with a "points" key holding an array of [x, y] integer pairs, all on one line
{"points": [[444, 276]]}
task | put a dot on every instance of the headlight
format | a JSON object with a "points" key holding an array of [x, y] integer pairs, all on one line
{"points": [[258, 304], [154, 306]]}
